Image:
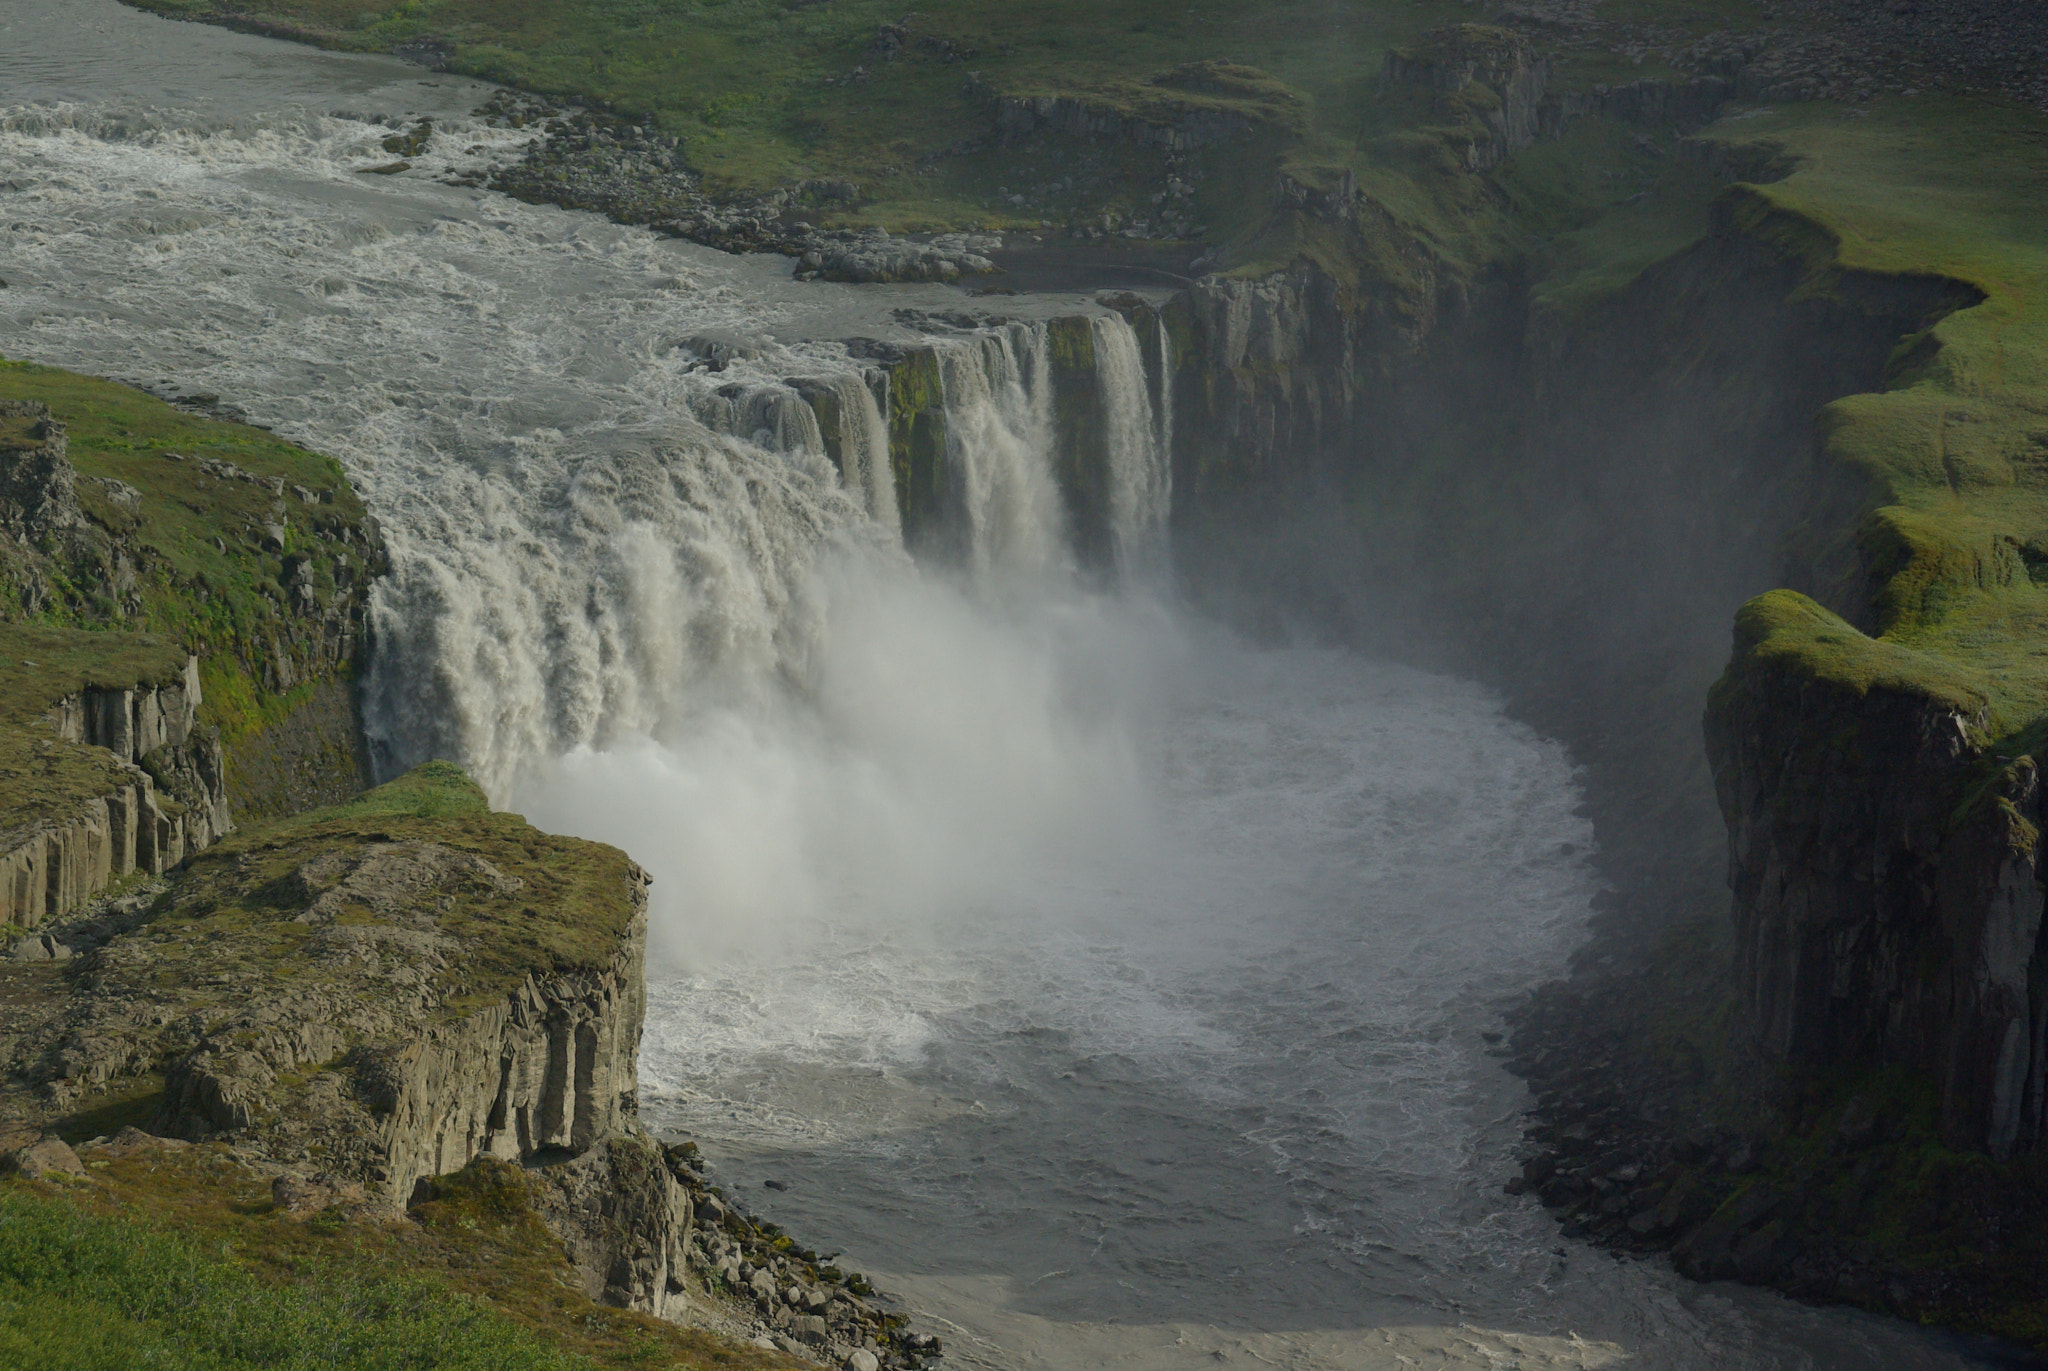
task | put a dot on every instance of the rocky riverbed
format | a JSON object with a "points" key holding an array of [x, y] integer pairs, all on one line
{"points": [[580, 159]]}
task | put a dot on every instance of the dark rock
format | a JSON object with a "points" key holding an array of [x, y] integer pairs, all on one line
{"points": [[1860, 1125]]}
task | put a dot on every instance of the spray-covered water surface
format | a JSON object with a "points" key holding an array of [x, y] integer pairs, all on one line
{"points": [[1111, 987]]}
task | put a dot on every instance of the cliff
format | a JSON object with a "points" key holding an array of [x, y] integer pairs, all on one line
{"points": [[406, 1005], [109, 781], [1808, 402], [251, 553]]}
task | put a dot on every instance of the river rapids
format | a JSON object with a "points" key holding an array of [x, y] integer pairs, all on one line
{"points": [[1113, 989]]}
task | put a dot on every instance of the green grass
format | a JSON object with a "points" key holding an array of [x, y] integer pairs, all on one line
{"points": [[41, 775], [757, 87], [570, 911], [205, 579], [1953, 454], [85, 1293]]}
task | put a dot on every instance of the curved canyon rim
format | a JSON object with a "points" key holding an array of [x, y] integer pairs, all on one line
{"points": [[1111, 987]]}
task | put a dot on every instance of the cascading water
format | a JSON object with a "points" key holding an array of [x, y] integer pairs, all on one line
{"points": [[863, 441], [1137, 440], [998, 399], [1109, 987]]}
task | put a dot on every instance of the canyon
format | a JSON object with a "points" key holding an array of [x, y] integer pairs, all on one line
{"points": [[1559, 473]]}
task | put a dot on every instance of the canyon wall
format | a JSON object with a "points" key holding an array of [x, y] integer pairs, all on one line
{"points": [[1573, 506], [155, 794]]}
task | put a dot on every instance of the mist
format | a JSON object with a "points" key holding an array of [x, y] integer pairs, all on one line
{"points": [[943, 750]]}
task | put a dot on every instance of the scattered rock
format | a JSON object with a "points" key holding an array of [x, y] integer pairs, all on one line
{"points": [[49, 1156]]}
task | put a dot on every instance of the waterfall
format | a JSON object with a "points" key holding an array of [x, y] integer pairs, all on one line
{"points": [[864, 439], [999, 439], [1165, 410], [1135, 450], [592, 596]]}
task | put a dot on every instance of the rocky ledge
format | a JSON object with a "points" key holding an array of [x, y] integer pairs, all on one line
{"points": [[634, 175], [404, 998]]}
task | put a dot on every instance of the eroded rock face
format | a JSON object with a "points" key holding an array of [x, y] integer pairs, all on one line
{"points": [[387, 1004], [625, 1219], [1888, 891], [164, 796], [38, 488]]}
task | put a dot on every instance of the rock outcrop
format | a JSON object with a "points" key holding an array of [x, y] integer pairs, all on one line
{"points": [[150, 792], [394, 994], [1888, 899]]}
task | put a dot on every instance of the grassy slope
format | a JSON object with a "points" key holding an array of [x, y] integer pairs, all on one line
{"points": [[1954, 454], [223, 599], [569, 913], [177, 1258], [754, 85]]}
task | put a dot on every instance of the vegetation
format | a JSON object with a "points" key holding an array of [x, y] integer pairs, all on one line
{"points": [[1952, 457], [177, 1257], [40, 775], [79, 1293], [228, 567], [223, 937], [770, 92]]}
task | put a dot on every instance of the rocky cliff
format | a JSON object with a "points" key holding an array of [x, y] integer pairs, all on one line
{"points": [[252, 553], [147, 788]]}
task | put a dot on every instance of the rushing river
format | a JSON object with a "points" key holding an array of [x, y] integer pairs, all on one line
{"points": [[1114, 990]]}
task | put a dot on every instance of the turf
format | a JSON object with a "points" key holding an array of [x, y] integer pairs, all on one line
{"points": [[177, 1258], [208, 579]]}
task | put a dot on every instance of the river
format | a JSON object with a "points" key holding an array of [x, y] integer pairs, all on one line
{"points": [[1115, 990]]}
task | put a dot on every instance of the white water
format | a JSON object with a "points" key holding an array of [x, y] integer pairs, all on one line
{"points": [[1138, 443], [998, 396], [1110, 987]]}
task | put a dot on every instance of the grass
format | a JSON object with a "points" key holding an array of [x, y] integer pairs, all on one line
{"points": [[84, 1293], [205, 576], [759, 89], [1953, 455], [41, 775], [571, 908], [176, 1257]]}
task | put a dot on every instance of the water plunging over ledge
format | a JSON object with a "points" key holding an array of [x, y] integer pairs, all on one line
{"points": [[1112, 988]]}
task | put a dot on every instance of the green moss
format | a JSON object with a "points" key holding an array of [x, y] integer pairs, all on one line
{"points": [[206, 575], [917, 442], [1936, 200], [566, 904]]}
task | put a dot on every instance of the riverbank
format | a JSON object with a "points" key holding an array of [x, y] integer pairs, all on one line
{"points": [[374, 1057], [1570, 220]]}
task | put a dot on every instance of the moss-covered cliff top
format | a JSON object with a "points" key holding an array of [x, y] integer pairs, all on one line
{"points": [[41, 775], [424, 853], [214, 537], [1951, 457]]}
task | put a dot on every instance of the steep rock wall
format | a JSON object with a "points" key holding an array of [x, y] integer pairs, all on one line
{"points": [[1888, 901], [163, 795], [1573, 508]]}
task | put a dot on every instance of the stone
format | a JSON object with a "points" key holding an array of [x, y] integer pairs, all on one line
{"points": [[1860, 1125], [810, 1330], [862, 1360], [50, 1156]]}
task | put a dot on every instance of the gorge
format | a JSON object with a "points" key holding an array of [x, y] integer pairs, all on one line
{"points": [[1113, 763]]}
